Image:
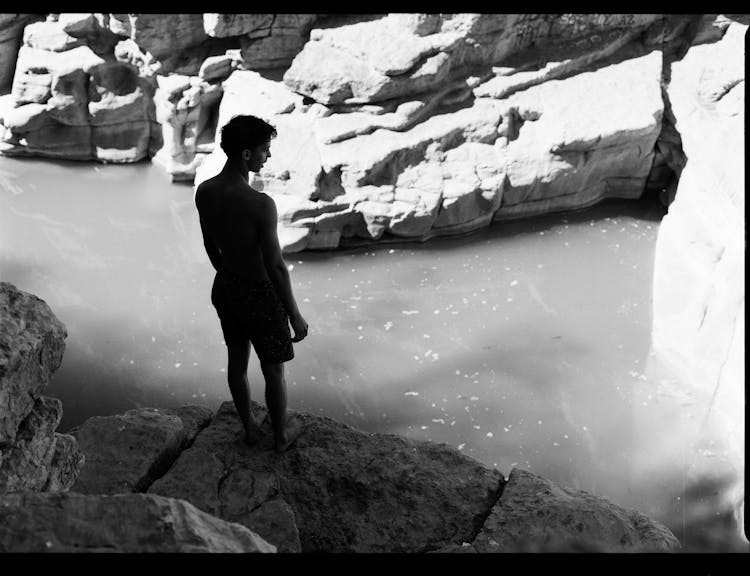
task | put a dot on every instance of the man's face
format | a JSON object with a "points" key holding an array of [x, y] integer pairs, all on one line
{"points": [[258, 156]]}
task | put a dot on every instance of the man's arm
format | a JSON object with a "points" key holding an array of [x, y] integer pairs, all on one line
{"points": [[274, 262], [214, 254], [276, 267]]}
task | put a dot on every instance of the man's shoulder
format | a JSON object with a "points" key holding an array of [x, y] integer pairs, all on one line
{"points": [[264, 205], [206, 187]]}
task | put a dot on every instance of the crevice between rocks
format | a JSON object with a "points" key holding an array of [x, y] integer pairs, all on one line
{"points": [[163, 465], [482, 518], [669, 156], [478, 521]]}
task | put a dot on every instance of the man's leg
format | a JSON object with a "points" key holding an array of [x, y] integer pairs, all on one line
{"points": [[285, 433], [239, 355]]}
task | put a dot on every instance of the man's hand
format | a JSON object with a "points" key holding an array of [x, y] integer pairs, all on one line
{"points": [[299, 325]]}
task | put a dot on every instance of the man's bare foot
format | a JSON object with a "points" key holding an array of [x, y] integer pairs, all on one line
{"points": [[293, 430], [253, 432]]}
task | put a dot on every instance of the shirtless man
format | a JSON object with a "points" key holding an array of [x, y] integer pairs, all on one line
{"points": [[252, 292]]}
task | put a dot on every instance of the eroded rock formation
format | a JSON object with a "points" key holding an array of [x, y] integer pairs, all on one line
{"points": [[430, 137], [455, 116], [122, 87], [33, 456]]}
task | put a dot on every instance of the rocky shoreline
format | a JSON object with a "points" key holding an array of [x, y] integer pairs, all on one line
{"points": [[182, 480], [397, 126]]}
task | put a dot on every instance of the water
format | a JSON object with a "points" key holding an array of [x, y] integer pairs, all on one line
{"points": [[526, 344]]}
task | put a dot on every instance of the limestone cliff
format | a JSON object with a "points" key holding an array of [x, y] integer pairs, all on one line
{"points": [[446, 104], [699, 269]]}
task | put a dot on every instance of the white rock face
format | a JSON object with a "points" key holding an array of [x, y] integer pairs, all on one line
{"points": [[76, 105], [573, 142], [699, 285], [360, 174], [402, 54]]}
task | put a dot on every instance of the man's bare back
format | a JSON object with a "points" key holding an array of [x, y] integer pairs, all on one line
{"points": [[233, 216], [252, 291]]}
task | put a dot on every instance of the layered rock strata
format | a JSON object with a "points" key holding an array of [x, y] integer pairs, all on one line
{"points": [[32, 455], [76, 105], [134, 523], [384, 76], [430, 137], [122, 87], [562, 144]]}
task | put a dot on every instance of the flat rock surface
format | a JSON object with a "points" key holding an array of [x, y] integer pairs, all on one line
{"points": [[32, 522], [345, 489], [127, 452], [535, 515]]}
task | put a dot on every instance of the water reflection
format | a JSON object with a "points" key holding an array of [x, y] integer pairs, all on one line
{"points": [[527, 344]]}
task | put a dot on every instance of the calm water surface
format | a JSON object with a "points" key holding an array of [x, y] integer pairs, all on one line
{"points": [[526, 344]]}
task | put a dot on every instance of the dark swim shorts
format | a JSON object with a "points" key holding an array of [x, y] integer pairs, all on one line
{"points": [[252, 311]]}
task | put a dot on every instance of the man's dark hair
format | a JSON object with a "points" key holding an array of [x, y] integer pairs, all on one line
{"points": [[243, 132]]}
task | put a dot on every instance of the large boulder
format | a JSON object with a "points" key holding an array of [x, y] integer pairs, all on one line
{"points": [[340, 488], [32, 340], [134, 523], [127, 452], [699, 268], [536, 515]]}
